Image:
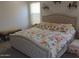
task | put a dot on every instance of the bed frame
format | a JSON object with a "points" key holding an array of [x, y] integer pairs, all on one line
{"points": [[60, 18], [29, 48]]}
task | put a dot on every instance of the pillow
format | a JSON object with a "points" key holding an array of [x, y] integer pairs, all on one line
{"points": [[54, 26], [65, 27]]}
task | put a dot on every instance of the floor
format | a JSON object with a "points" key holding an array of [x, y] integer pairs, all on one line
{"points": [[69, 55], [13, 53]]}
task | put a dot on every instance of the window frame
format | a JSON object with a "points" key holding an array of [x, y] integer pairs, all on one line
{"points": [[30, 11]]}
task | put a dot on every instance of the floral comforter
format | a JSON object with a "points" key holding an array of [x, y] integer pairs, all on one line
{"points": [[46, 39]]}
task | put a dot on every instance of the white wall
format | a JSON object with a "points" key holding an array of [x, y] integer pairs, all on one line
{"points": [[60, 8], [13, 15]]}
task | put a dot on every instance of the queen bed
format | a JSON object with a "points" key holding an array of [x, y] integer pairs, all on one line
{"points": [[41, 41]]}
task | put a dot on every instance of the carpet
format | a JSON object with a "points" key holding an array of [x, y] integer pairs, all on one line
{"points": [[13, 53]]}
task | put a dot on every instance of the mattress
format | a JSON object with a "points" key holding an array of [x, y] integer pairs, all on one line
{"points": [[51, 41]]}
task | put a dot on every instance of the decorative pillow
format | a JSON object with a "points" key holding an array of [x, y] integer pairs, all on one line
{"points": [[55, 26], [65, 27]]}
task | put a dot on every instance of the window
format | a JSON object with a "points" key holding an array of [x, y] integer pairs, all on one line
{"points": [[35, 12]]}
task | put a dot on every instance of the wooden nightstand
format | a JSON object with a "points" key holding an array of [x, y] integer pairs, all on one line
{"points": [[4, 46], [77, 34], [5, 43]]}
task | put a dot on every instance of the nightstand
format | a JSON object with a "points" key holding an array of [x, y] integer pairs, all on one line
{"points": [[77, 34], [5, 41], [4, 46]]}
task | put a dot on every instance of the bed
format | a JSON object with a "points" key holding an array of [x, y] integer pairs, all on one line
{"points": [[21, 42]]}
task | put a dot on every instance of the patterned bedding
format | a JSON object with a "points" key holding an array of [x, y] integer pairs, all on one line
{"points": [[50, 40]]}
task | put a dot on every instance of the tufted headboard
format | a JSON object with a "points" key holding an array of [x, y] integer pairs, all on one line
{"points": [[60, 18]]}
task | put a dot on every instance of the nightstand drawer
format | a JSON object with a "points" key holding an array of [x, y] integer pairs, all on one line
{"points": [[77, 34]]}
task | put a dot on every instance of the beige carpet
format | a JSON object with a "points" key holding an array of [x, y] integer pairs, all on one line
{"points": [[13, 53]]}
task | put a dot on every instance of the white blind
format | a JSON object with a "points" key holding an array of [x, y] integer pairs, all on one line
{"points": [[35, 12]]}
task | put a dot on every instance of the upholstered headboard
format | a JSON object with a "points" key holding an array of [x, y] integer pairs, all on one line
{"points": [[60, 18]]}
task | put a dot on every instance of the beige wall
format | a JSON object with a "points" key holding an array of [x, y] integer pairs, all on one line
{"points": [[13, 15], [60, 8]]}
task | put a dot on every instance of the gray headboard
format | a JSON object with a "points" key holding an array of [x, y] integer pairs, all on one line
{"points": [[60, 18]]}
